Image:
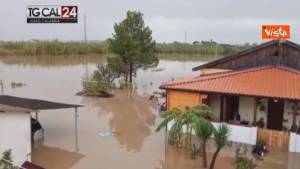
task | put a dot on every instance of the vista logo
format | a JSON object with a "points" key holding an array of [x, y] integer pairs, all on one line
{"points": [[275, 32]]}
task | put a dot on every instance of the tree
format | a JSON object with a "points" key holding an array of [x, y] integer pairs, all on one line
{"points": [[175, 132], [109, 72], [203, 132], [195, 117], [133, 44], [204, 129], [191, 118], [221, 134]]}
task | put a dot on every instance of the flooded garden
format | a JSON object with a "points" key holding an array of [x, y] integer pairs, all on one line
{"points": [[129, 115]]}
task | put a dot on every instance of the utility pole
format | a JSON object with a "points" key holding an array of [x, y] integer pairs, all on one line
{"points": [[185, 36], [2, 87], [84, 22]]}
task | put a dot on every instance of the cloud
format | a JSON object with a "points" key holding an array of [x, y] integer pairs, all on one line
{"points": [[222, 20]]}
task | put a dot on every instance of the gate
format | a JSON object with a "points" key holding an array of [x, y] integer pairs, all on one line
{"points": [[274, 139]]}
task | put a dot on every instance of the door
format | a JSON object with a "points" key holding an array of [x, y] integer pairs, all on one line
{"points": [[230, 107], [275, 114]]}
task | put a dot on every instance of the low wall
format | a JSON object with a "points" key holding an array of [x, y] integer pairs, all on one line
{"points": [[16, 135], [241, 134], [294, 145]]}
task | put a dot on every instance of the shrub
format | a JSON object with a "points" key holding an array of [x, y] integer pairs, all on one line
{"points": [[6, 161], [91, 86], [244, 163]]}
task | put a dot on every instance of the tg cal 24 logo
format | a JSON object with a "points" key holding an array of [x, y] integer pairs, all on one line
{"points": [[52, 14]]}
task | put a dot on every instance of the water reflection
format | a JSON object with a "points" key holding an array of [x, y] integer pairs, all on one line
{"points": [[55, 158], [50, 61], [132, 117], [275, 159]]}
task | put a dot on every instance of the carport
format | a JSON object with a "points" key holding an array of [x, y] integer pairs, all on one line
{"points": [[14, 107]]}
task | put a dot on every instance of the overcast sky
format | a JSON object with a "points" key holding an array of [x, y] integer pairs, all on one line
{"points": [[229, 21]]}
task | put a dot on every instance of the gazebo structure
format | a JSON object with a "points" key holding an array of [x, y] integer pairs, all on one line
{"points": [[15, 124], [255, 91]]}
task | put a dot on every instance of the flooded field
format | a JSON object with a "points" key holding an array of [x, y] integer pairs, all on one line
{"points": [[130, 115]]}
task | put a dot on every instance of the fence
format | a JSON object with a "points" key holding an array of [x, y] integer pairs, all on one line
{"points": [[274, 139]]}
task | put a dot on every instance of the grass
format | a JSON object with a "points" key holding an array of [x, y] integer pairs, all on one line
{"points": [[52, 48], [31, 48]]}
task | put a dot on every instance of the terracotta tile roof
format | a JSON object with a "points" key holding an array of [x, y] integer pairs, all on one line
{"points": [[267, 81]]}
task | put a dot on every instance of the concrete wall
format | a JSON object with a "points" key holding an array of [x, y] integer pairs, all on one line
{"points": [[241, 134], [294, 145], [15, 130]]}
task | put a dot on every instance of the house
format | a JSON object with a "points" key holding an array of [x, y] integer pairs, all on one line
{"points": [[256, 91], [16, 125]]}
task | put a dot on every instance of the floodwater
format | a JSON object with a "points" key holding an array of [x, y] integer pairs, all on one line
{"points": [[131, 116]]}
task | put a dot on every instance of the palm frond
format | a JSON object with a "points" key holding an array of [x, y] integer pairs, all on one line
{"points": [[221, 134]]}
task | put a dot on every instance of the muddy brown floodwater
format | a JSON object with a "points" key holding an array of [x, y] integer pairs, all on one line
{"points": [[130, 115]]}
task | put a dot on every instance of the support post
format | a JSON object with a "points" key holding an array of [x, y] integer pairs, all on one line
{"points": [[166, 144], [76, 129], [255, 110], [37, 115]]}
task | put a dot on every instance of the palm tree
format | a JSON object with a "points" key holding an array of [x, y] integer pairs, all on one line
{"points": [[190, 118], [203, 132], [195, 117], [175, 132], [204, 128], [204, 111], [221, 134]]}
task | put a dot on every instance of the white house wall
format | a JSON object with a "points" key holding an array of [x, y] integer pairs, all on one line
{"points": [[246, 108], [288, 115], [15, 130], [294, 145], [241, 134], [263, 114]]}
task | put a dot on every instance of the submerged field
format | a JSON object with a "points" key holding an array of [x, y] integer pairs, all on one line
{"points": [[83, 48], [130, 114]]}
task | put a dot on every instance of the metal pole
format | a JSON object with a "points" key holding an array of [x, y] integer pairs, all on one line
{"points": [[2, 88], [37, 116], [166, 144], [76, 129], [84, 22]]}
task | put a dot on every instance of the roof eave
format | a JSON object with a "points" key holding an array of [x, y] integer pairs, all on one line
{"points": [[238, 54]]}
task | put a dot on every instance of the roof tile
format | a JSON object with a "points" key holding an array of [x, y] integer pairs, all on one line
{"points": [[267, 81]]}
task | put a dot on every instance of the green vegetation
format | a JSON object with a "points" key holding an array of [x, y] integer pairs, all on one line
{"points": [[52, 48], [196, 118], [6, 160], [221, 135], [15, 85], [164, 50], [242, 161], [132, 43], [102, 79], [205, 48], [193, 118], [203, 132]]}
